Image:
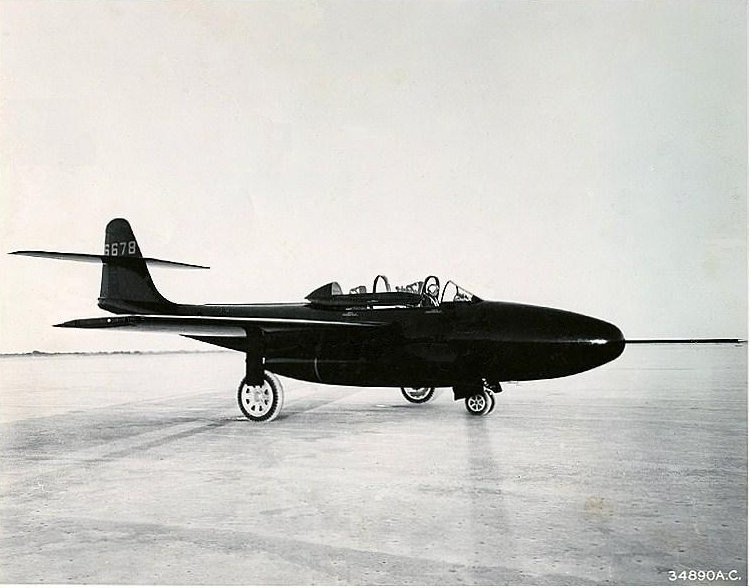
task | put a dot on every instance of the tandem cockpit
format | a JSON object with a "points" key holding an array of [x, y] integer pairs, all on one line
{"points": [[423, 293]]}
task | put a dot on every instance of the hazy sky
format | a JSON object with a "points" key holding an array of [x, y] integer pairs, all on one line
{"points": [[583, 155]]}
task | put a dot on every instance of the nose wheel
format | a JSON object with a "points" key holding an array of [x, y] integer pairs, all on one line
{"points": [[482, 402], [261, 403]]}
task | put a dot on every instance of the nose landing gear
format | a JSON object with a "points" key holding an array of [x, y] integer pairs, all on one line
{"points": [[480, 404], [479, 401]]}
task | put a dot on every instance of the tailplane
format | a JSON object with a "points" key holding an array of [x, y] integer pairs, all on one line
{"points": [[126, 286]]}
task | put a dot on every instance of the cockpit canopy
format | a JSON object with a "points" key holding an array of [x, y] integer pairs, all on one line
{"points": [[425, 292]]}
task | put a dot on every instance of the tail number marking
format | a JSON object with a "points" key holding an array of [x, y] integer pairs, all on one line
{"points": [[121, 248]]}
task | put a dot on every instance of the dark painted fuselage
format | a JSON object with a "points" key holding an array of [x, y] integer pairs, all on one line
{"points": [[400, 338], [456, 343]]}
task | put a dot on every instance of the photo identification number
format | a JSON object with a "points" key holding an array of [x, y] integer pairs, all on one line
{"points": [[703, 575]]}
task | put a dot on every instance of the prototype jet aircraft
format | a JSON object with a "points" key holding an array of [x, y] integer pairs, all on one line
{"points": [[417, 338]]}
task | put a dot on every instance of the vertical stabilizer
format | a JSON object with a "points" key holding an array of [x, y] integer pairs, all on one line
{"points": [[127, 286]]}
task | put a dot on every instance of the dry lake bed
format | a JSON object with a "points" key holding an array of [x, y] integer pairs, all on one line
{"points": [[139, 469]]}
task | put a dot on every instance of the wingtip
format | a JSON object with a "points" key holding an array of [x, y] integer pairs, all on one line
{"points": [[195, 266]]}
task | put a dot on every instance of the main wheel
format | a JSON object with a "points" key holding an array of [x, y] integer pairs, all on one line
{"points": [[479, 404], [418, 395], [261, 403]]}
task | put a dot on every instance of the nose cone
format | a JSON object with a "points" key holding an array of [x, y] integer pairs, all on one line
{"points": [[535, 342], [590, 343], [580, 342], [605, 337]]}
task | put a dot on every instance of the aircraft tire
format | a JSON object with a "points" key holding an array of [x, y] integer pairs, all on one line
{"points": [[479, 404], [261, 404], [419, 396], [492, 403]]}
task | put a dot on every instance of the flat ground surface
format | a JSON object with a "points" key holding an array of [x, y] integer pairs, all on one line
{"points": [[138, 469]]}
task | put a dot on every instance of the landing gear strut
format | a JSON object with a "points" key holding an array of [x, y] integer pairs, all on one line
{"points": [[263, 402]]}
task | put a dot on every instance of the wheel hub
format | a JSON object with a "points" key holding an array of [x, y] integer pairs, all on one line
{"points": [[477, 402], [418, 392], [257, 399]]}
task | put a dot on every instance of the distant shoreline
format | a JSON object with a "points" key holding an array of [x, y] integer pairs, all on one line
{"points": [[36, 353]]}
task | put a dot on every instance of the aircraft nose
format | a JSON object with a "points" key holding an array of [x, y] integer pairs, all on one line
{"points": [[541, 342], [606, 337], [602, 331]]}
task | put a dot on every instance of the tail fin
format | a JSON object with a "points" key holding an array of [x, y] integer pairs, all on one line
{"points": [[126, 286]]}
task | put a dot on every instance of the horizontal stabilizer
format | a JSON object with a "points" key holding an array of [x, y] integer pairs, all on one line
{"points": [[94, 258], [205, 325]]}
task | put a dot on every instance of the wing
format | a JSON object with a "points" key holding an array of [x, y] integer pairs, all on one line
{"points": [[203, 325]]}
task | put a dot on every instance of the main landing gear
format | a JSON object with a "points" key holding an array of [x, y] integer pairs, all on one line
{"points": [[261, 403], [418, 395]]}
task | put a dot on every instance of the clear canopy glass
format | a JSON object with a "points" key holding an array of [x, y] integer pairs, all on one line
{"points": [[452, 292], [431, 291]]}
